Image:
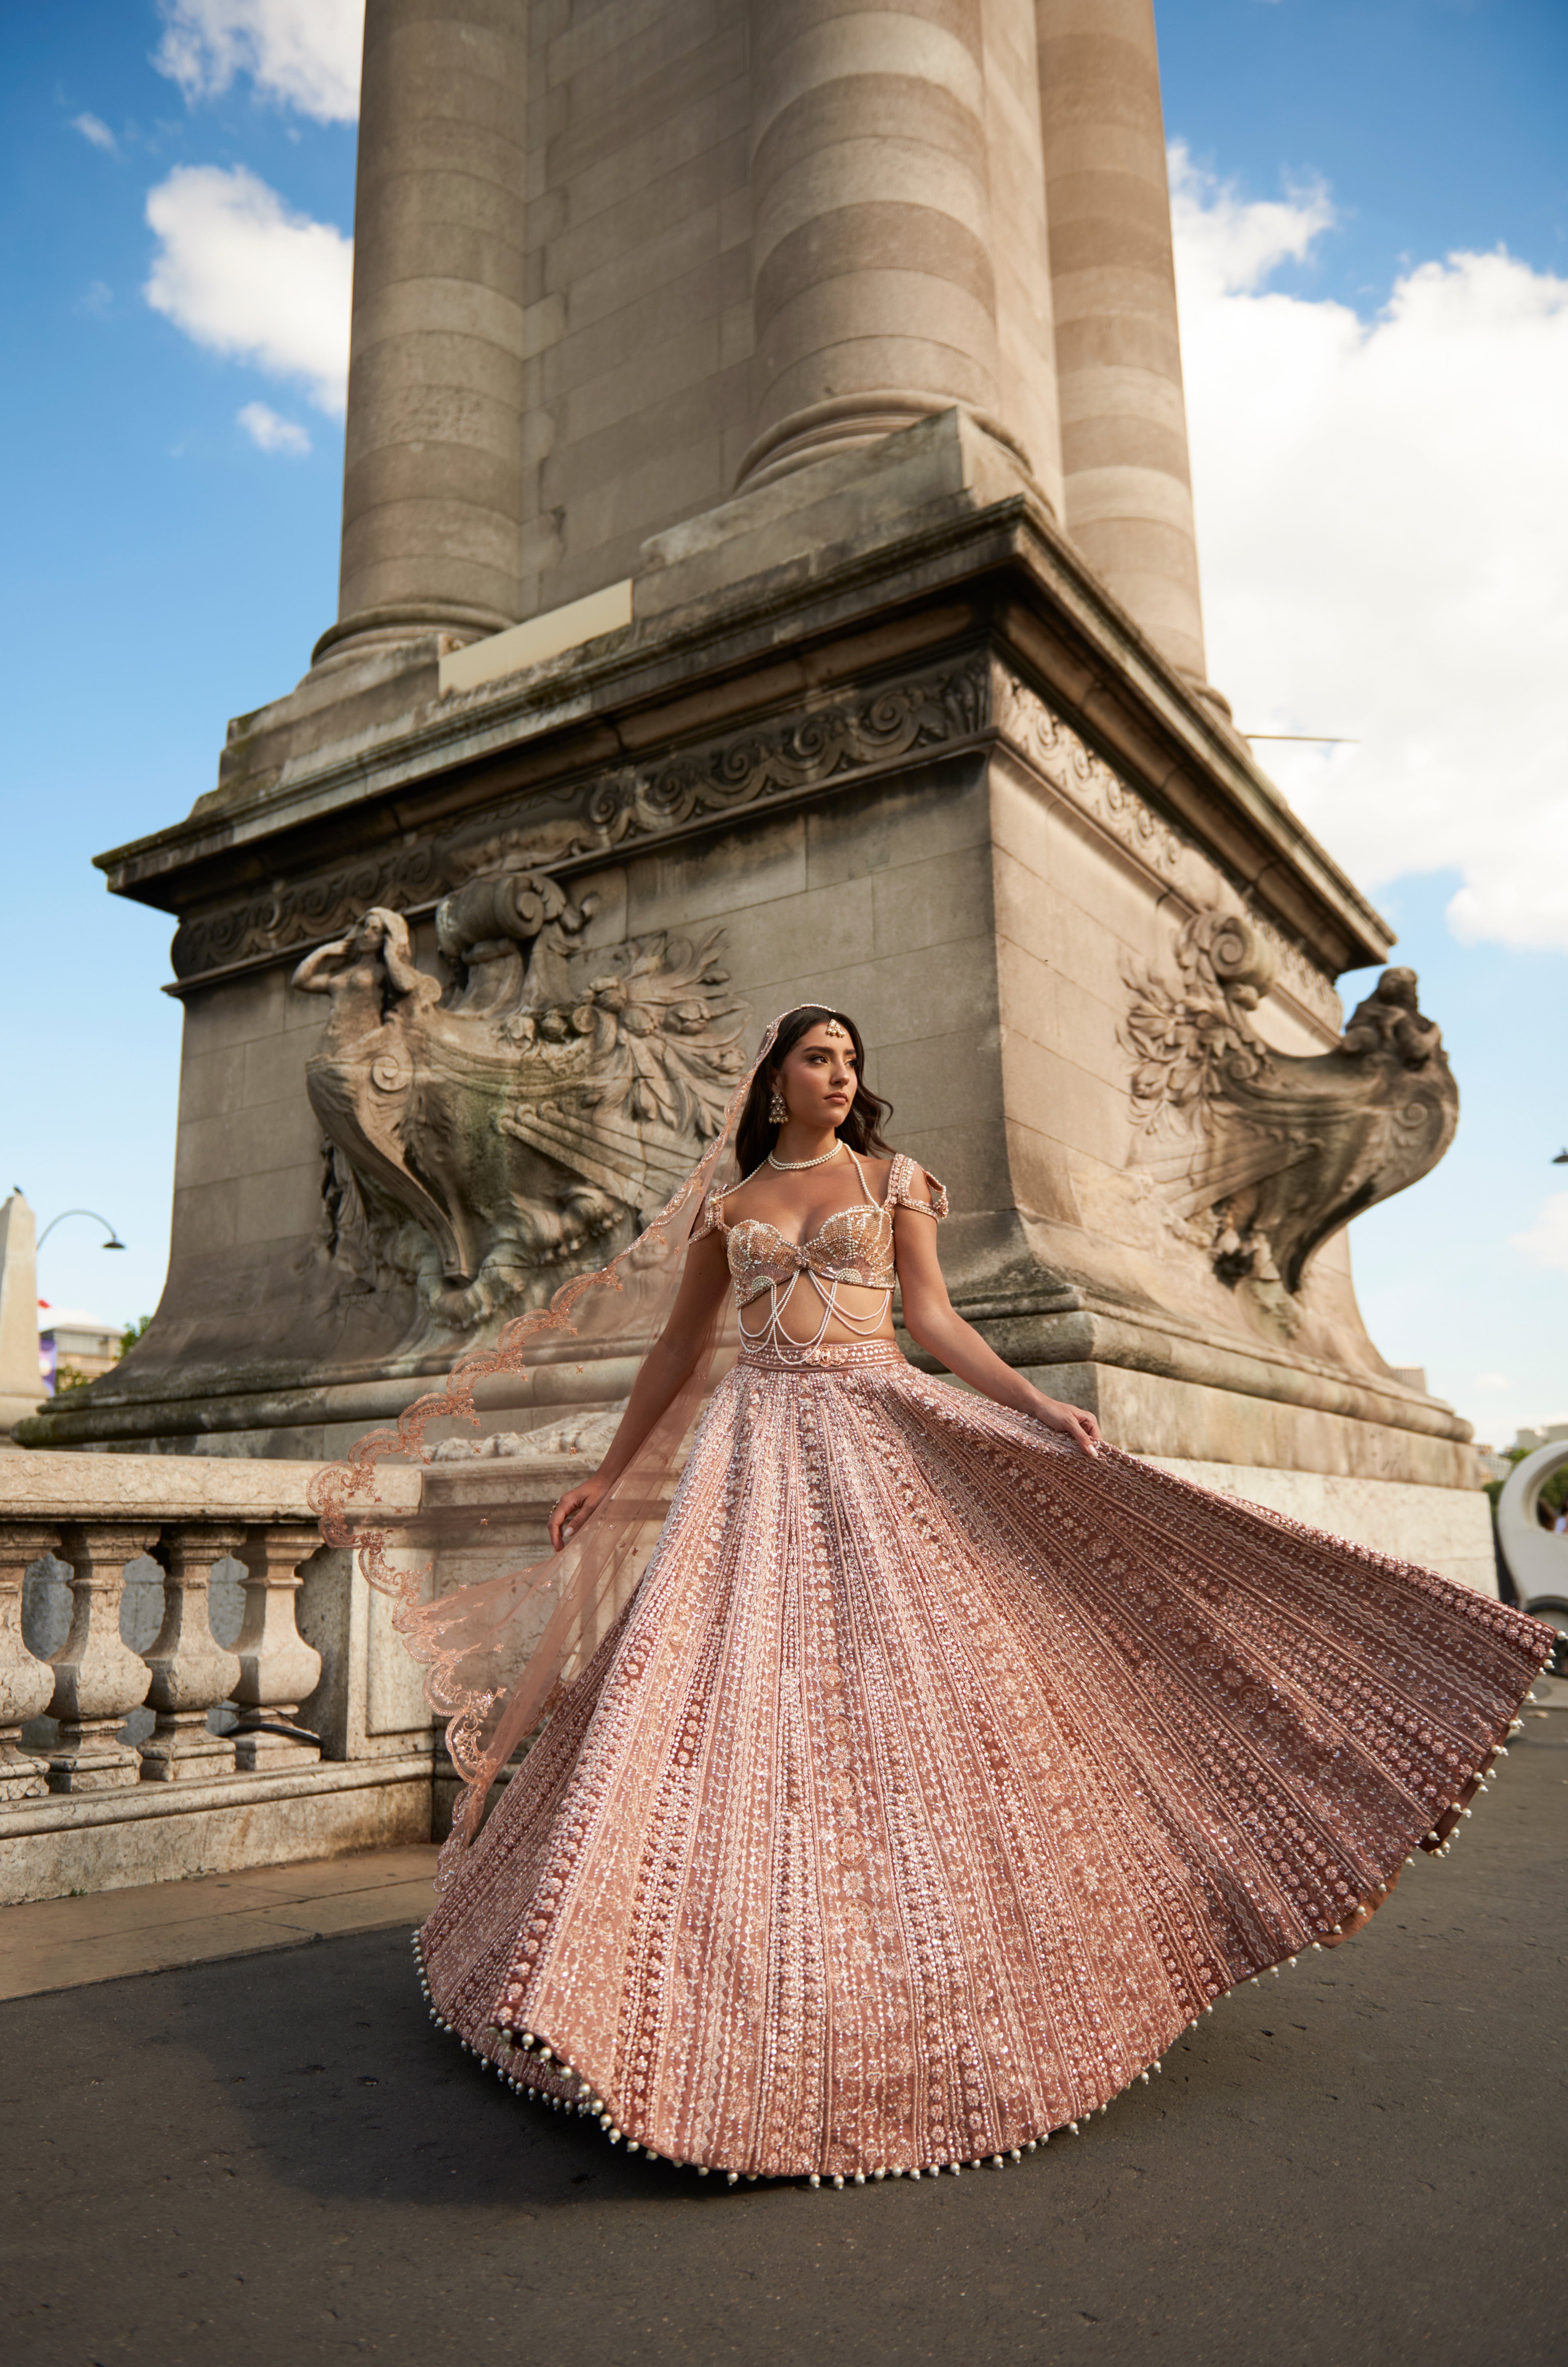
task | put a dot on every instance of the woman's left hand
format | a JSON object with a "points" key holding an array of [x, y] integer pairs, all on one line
{"points": [[1071, 1422]]}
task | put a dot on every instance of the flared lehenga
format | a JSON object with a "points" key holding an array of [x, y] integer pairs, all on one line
{"points": [[937, 1775]]}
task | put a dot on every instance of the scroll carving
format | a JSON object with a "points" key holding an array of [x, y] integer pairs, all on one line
{"points": [[1074, 768], [1261, 1155], [610, 814], [485, 1137]]}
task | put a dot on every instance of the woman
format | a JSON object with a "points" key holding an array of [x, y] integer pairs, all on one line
{"points": [[943, 1763]]}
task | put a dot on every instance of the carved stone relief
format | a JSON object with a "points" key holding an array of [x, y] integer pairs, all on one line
{"points": [[609, 814], [485, 1139], [1261, 1155], [1075, 769]]}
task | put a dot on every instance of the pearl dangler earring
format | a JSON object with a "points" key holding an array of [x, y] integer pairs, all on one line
{"points": [[778, 1108]]}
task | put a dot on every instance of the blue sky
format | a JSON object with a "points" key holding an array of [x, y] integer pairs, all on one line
{"points": [[166, 573]]}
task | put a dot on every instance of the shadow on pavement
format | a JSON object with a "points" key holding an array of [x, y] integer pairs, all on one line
{"points": [[278, 2158]]}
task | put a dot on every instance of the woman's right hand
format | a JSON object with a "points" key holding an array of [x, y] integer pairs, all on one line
{"points": [[573, 1509]]}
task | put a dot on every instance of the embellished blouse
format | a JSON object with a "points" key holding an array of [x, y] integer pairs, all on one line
{"points": [[854, 1246]]}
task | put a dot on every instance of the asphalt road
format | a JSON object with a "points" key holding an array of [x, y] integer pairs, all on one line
{"points": [[274, 2160]]}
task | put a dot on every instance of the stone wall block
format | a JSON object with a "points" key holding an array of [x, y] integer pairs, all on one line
{"points": [[27, 1683], [277, 1669], [191, 1670], [98, 1680]]}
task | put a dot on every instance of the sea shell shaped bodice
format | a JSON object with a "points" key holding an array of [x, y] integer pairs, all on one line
{"points": [[852, 1246]]}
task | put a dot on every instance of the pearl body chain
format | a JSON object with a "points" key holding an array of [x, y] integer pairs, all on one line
{"points": [[770, 1335]]}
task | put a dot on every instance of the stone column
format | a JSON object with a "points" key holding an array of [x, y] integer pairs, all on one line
{"points": [[1128, 487], [20, 1388], [25, 1685], [191, 1672], [432, 503], [98, 1680], [872, 279], [278, 1668]]}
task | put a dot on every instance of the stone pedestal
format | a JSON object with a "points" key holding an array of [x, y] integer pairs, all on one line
{"points": [[874, 736], [98, 1680]]}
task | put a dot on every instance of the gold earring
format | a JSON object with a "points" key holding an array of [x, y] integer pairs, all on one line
{"points": [[778, 1108]]}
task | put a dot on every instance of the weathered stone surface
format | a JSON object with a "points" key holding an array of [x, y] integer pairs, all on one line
{"points": [[166, 1833]]}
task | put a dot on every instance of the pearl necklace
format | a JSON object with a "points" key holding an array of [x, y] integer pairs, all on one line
{"points": [[794, 1166]]}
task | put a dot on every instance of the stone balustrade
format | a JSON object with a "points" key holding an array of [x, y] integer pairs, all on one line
{"points": [[190, 1682], [139, 1745], [96, 1680]]}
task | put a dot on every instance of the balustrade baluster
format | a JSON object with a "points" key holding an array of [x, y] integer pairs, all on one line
{"points": [[27, 1683], [191, 1670], [278, 1668], [98, 1680]]}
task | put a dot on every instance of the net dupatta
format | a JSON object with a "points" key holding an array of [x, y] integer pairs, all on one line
{"points": [[499, 1654]]}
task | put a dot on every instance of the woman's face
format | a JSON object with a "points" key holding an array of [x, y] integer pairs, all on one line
{"points": [[817, 1077]]}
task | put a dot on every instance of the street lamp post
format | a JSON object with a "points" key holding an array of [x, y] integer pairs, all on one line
{"points": [[113, 1242]]}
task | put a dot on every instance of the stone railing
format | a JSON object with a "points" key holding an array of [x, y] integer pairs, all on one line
{"points": [[124, 1698], [191, 1681]]}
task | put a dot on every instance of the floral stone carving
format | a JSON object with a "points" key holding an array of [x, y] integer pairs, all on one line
{"points": [[486, 1137], [1271, 1152]]}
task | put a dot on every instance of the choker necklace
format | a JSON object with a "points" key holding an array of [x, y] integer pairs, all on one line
{"points": [[793, 1166]]}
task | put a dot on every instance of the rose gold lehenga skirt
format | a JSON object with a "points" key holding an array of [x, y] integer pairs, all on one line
{"points": [[938, 1776]]}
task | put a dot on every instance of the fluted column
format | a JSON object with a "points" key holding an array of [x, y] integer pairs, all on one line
{"points": [[873, 287], [1127, 483], [431, 501]]}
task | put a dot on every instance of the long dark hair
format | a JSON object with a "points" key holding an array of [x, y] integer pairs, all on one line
{"points": [[863, 1121]]}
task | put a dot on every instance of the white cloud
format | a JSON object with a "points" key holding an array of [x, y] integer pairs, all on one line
{"points": [[1379, 511], [264, 426], [244, 277], [94, 128], [1546, 1243], [304, 53]]}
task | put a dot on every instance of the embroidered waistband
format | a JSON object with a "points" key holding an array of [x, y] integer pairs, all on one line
{"points": [[831, 1352]]}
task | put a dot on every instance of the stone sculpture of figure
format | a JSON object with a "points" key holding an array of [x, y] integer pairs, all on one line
{"points": [[359, 971], [545, 1098], [1389, 1020], [941, 1763]]}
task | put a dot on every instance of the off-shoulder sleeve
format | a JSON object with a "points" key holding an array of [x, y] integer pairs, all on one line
{"points": [[907, 1189], [708, 1219]]}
